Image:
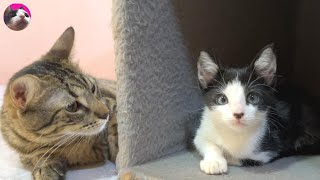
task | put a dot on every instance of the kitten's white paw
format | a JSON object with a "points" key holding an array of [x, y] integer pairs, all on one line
{"points": [[214, 166]]}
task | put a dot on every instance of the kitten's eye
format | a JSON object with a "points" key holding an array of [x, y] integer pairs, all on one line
{"points": [[253, 99], [26, 14], [11, 15], [221, 99], [74, 107]]}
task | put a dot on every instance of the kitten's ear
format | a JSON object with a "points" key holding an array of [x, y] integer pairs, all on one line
{"points": [[266, 64], [23, 89], [207, 69], [62, 47], [8, 10]]}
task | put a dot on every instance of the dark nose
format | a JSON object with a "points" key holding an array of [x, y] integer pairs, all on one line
{"points": [[238, 115]]}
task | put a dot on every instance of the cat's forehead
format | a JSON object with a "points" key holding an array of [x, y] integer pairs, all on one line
{"points": [[241, 75]]}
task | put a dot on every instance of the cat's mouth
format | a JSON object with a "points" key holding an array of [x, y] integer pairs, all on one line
{"points": [[238, 122], [19, 25]]}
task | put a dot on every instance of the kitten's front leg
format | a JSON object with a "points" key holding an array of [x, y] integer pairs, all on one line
{"points": [[213, 161], [53, 170]]}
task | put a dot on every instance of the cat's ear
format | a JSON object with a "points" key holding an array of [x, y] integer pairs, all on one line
{"points": [[207, 69], [23, 89], [61, 49], [8, 10], [266, 64]]}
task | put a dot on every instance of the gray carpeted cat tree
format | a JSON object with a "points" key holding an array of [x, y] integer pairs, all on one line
{"points": [[157, 43]]}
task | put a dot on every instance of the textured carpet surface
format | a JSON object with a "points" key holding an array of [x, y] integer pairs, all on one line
{"points": [[157, 88], [12, 169], [185, 166]]}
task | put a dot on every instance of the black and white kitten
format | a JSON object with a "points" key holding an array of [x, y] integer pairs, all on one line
{"points": [[247, 118], [16, 19]]}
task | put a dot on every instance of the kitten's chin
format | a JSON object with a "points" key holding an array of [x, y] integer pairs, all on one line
{"points": [[238, 125]]}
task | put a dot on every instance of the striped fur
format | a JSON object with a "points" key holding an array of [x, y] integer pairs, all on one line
{"points": [[56, 117]]}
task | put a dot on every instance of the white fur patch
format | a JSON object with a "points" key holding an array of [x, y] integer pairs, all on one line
{"points": [[219, 138]]}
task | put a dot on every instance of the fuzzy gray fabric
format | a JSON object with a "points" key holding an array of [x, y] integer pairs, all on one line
{"points": [[157, 87]]}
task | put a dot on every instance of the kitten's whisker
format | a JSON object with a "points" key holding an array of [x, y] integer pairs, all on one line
{"points": [[274, 125], [222, 76], [275, 121], [250, 76], [220, 83], [197, 110], [266, 86], [259, 77]]}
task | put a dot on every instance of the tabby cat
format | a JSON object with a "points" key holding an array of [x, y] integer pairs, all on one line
{"points": [[56, 117]]}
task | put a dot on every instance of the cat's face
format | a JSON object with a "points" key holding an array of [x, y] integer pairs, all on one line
{"points": [[53, 97], [16, 19], [238, 98]]}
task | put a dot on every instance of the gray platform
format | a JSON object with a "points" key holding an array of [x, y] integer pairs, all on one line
{"points": [[185, 165]]}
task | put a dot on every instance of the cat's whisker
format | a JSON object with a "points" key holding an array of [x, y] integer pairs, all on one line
{"points": [[71, 141], [274, 124], [250, 75], [62, 141], [264, 85], [197, 110], [59, 137], [57, 147], [275, 121], [259, 77], [76, 145], [275, 114]]}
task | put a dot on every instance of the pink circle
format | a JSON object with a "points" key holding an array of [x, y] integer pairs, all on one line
{"points": [[15, 6]]}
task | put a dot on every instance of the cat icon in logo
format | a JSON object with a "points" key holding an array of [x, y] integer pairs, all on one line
{"points": [[17, 17]]}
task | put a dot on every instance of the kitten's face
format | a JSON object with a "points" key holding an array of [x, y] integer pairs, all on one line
{"points": [[16, 19], [54, 97], [238, 98]]}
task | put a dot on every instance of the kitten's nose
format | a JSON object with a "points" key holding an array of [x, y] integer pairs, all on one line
{"points": [[238, 115], [21, 16]]}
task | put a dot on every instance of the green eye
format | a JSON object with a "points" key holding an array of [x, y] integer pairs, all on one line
{"points": [[221, 99], [74, 107], [253, 98]]}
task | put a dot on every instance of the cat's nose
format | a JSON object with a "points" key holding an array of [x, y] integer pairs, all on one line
{"points": [[238, 115], [21, 16]]}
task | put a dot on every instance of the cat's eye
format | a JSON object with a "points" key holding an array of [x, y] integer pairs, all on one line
{"points": [[26, 14], [74, 107], [93, 89], [221, 99], [253, 98]]}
